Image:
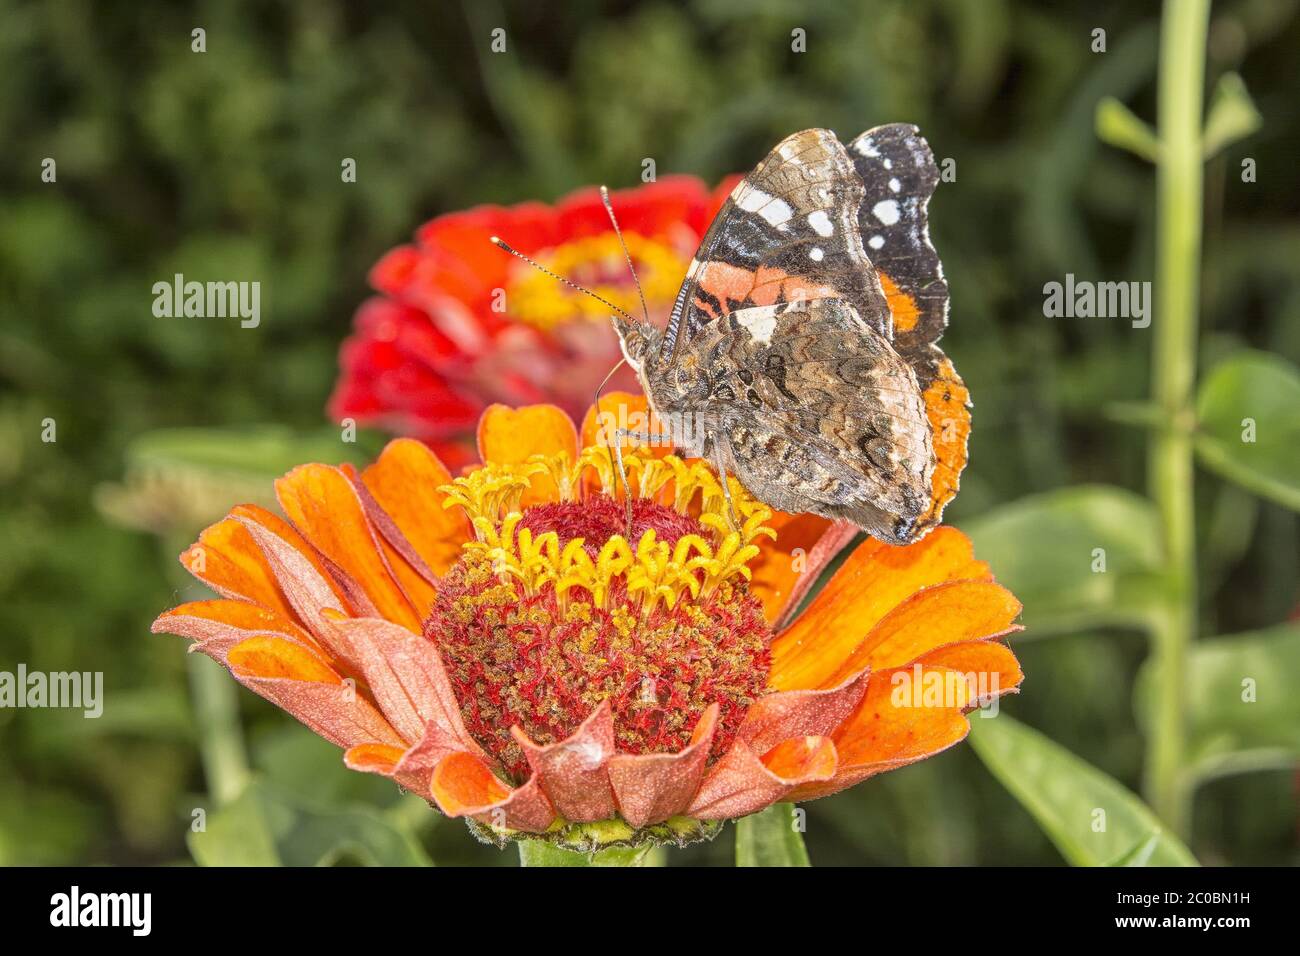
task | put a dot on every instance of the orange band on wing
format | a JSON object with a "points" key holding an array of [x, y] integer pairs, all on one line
{"points": [[901, 305], [946, 407], [762, 287]]}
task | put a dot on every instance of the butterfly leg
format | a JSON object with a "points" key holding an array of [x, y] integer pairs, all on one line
{"points": [[619, 435], [726, 489]]}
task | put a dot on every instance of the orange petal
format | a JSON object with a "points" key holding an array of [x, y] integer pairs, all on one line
{"points": [[405, 481], [802, 758], [268, 656], [788, 566], [282, 529], [784, 714], [412, 768], [406, 678], [373, 758], [932, 617], [310, 593], [990, 664], [895, 726], [227, 560], [218, 625], [876, 578], [511, 436], [322, 504], [463, 785], [414, 577]]}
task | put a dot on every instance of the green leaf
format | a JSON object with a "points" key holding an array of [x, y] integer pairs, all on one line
{"points": [[1244, 713], [264, 827], [770, 838], [1045, 549], [1140, 855], [1232, 115], [1253, 395], [1068, 797], [1117, 125]]}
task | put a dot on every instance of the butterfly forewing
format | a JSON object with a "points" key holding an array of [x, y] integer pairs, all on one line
{"points": [[899, 176], [788, 230]]}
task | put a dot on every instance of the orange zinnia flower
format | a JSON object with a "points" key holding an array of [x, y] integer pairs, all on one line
{"points": [[497, 644]]}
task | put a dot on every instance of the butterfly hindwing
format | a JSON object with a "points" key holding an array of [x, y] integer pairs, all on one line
{"points": [[813, 410]]}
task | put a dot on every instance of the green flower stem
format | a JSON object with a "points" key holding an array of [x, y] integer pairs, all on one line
{"points": [[1178, 254], [770, 838], [214, 697], [221, 745], [541, 853]]}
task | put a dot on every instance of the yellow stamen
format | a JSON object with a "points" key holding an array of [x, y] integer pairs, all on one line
{"points": [[654, 572]]}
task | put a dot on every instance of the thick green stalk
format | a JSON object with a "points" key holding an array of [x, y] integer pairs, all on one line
{"points": [[221, 743], [214, 698], [1178, 259]]}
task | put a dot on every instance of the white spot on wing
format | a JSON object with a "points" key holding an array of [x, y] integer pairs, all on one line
{"points": [[760, 323], [886, 211], [777, 212], [821, 223], [816, 254], [876, 242], [887, 163], [867, 148], [895, 185]]}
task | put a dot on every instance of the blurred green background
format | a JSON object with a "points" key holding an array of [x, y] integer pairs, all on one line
{"points": [[227, 163]]}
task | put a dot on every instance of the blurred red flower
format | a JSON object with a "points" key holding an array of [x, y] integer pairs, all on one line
{"points": [[459, 324]]}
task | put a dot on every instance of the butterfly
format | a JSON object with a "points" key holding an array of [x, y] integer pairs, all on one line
{"points": [[801, 353]]}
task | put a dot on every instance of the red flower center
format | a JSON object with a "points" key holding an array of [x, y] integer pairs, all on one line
{"points": [[545, 663], [599, 518]]}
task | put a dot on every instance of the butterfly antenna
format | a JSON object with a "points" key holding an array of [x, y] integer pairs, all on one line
{"points": [[627, 256], [616, 451], [501, 244]]}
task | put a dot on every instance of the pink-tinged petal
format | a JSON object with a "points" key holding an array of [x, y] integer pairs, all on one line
{"points": [[307, 591], [781, 715], [335, 711], [650, 788], [405, 674], [464, 786], [574, 773], [741, 783]]}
